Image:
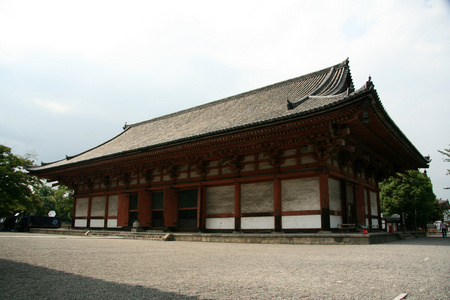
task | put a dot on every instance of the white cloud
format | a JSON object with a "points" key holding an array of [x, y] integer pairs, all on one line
{"points": [[92, 65], [54, 107]]}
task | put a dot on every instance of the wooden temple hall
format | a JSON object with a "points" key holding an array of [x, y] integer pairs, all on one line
{"points": [[302, 155]]}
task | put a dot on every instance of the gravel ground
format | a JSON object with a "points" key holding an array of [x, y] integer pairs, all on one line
{"points": [[37, 266]]}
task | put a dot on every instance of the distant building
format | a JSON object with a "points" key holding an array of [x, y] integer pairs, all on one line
{"points": [[305, 154], [444, 204]]}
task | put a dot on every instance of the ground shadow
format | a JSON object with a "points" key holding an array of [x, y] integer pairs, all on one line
{"points": [[24, 281], [430, 240]]}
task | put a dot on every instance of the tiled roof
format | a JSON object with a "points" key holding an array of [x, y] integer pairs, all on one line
{"points": [[286, 99]]}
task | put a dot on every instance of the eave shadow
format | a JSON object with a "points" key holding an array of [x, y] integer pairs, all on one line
{"points": [[25, 281]]}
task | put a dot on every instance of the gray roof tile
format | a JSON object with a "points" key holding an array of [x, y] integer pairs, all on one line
{"points": [[307, 93]]}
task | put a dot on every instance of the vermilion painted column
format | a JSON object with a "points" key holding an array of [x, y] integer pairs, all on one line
{"points": [[324, 201], [88, 224], [369, 207], [277, 203], [74, 211], [379, 210], [237, 206], [170, 208], [145, 208], [123, 210], [360, 206]]}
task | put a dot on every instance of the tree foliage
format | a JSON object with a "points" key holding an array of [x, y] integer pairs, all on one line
{"points": [[60, 200], [16, 185], [446, 153], [412, 194], [28, 195]]}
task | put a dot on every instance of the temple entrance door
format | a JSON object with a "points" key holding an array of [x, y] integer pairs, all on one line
{"points": [[133, 209], [158, 209], [351, 213], [350, 204], [187, 208]]}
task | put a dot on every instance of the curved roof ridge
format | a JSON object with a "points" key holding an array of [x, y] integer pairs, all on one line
{"points": [[248, 93], [257, 106], [93, 148], [333, 83]]}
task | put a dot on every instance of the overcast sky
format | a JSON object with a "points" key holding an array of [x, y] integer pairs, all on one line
{"points": [[73, 72]]}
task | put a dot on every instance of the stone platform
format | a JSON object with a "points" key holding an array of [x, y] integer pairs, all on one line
{"points": [[325, 238]]}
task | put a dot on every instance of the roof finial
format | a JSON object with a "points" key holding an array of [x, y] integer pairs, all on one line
{"points": [[369, 83]]}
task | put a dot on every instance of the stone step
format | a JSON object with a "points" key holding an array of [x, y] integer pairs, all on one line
{"points": [[132, 235], [406, 236]]}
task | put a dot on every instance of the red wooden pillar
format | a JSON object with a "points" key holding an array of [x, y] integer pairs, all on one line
{"points": [[379, 211], [145, 208], [345, 211], [237, 206], [369, 207], [88, 224], [123, 210], [170, 205], [74, 211], [277, 203], [360, 205], [324, 201]]}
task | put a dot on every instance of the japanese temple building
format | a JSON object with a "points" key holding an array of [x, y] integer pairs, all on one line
{"points": [[301, 155]]}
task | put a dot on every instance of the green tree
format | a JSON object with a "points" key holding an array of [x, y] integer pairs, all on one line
{"points": [[16, 185], [446, 153], [59, 199], [410, 194]]}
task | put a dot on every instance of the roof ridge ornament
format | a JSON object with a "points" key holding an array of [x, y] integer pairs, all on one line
{"points": [[369, 83], [292, 105]]}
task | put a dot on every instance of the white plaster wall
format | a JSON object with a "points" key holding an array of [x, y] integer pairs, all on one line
{"points": [[289, 162], [248, 158], [219, 223], [220, 199], [290, 152], [98, 206], [213, 172], [113, 204], [227, 170], [308, 159], [334, 188], [111, 223], [373, 204], [366, 210], [257, 197], [264, 166], [97, 223], [214, 163], [81, 208], [304, 221], [375, 222], [300, 194], [257, 223], [335, 221], [248, 167], [194, 174], [80, 223]]}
